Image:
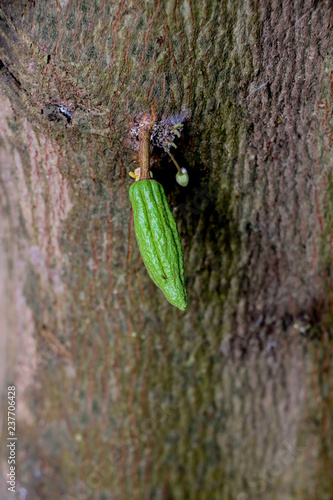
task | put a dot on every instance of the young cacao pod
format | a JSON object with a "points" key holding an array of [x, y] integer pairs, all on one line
{"points": [[158, 240]]}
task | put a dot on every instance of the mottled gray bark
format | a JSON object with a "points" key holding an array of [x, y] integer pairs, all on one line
{"points": [[120, 395]]}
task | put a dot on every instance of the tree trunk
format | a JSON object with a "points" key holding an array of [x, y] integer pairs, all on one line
{"points": [[119, 394]]}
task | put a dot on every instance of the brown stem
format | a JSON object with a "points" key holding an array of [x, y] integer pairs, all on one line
{"points": [[144, 153], [174, 160]]}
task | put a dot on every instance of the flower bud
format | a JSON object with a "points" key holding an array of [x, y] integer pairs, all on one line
{"points": [[182, 178]]}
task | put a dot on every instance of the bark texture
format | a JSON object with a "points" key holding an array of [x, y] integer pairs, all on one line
{"points": [[119, 394]]}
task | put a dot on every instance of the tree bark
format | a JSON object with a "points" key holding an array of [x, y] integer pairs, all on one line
{"points": [[119, 394]]}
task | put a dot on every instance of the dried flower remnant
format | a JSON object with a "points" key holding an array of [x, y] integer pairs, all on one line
{"points": [[163, 134]]}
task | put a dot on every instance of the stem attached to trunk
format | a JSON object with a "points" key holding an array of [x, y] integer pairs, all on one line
{"points": [[144, 153]]}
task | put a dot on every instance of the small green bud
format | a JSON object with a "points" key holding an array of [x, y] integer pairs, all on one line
{"points": [[182, 178]]}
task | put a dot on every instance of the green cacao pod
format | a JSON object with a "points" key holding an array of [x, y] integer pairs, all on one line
{"points": [[158, 240]]}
